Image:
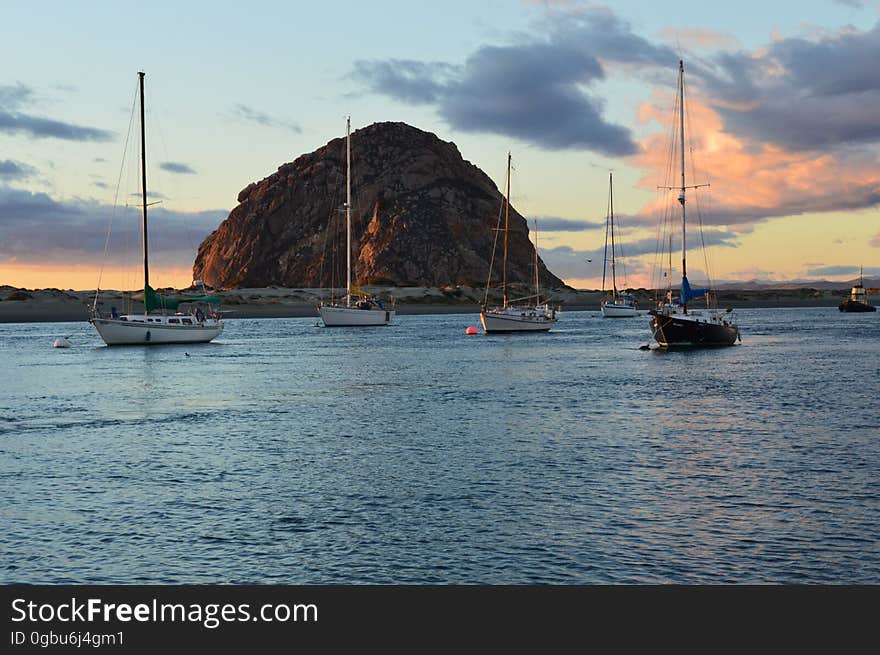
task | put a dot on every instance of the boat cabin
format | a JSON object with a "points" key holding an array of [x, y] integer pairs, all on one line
{"points": [[858, 294], [173, 320]]}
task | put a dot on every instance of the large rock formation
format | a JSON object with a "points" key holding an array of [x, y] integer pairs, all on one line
{"points": [[421, 216]]}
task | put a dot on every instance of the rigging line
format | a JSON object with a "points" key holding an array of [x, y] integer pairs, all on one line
{"points": [[665, 205], [622, 256], [158, 181], [494, 248], [339, 227], [667, 227], [605, 253], [327, 275], [703, 244], [655, 275], [331, 239], [321, 277], [115, 199], [697, 198]]}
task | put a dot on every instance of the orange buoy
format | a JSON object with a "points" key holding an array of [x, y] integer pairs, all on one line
{"points": [[471, 330]]}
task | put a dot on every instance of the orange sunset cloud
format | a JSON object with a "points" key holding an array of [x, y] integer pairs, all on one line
{"points": [[751, 181]]}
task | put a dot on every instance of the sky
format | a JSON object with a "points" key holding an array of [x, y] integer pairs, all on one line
{"points": [[783, 122]]}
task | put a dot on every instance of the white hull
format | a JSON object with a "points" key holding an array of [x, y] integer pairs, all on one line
{"points": [[352, 316], [618, 311], [517, 321], [121, 333]]}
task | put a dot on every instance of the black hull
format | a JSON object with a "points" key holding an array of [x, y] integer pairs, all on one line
{"points": [[853, 306], [676, 331]]}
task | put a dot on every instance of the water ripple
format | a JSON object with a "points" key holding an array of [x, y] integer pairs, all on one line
{"points": [[287, 454]]}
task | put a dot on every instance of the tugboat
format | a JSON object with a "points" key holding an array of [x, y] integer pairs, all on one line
{"points": [[858, 299]]}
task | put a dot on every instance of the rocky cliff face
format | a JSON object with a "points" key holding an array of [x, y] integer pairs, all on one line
{"points": [[421, 216]]}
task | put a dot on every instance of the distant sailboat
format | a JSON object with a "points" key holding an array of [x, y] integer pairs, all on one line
{"points": [[526, 317], [157, 327], [672, 324], [365, 309], [619, 305], [858, 299]]}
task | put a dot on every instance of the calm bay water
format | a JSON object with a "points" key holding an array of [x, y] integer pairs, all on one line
{"points": [[288, 453]]}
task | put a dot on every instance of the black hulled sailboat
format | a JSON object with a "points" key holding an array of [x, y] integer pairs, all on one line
{"points": [[672, 323]]}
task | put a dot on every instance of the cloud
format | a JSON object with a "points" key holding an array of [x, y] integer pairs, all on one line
{"points": [[567, 263], [751, 273], [14, 170], [875, 241], [537, 90], [751, 180], [37, 128], [698, 37], [14, 121], [250, 115], [798, 93], [788, 129], [13, 97], [39, 229], [555, 224], [411, 82], [836, 271], [584, 268], [177, 167], [853, 4], [151, 195]]}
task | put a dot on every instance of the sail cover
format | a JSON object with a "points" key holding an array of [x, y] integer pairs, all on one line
{"points": [[153, 300], [687, 293]]}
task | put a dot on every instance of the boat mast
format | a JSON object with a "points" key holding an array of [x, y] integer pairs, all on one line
{"points": [[348, 211], [506, 226], [613, 270], [144, 190], [681, 198]]}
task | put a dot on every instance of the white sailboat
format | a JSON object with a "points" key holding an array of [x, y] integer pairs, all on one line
{"points": [[674, 325], [619, 305], [358, 308], [510, 317], [156, 325]]}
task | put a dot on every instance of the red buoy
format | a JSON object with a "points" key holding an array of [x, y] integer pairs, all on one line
{"points": [[471, 330]]}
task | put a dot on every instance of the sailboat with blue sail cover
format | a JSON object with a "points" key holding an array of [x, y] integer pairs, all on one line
{"points": [[673, 323]]}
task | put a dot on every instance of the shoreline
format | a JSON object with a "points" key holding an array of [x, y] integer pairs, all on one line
{"points": [[69, 308]]}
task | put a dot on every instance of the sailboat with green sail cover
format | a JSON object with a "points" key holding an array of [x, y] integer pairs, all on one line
{"points": [[162, 320]]}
